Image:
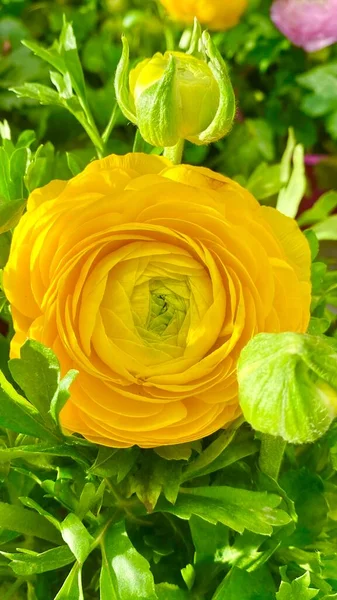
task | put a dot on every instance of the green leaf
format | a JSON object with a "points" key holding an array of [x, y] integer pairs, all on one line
{"points": [[322, 208], [169, 591], [27, 522], [62, 394], [74, 164], [77, 537], [155, 475], [68, 50], [125, 574], [40, 171], [288, 385], [41, 93], [6, 186], [307, 491], [10, 214], [326, 230], [233, 453], [179, 451], [287, 157], [265, 181], [31, 450], [26, 139], [37, 372], [18, 414], [290, 196], [188, 575], [246, 586], [29, 564], [237, 508], [72, 588], [114, 463], [313, 242], [203, 463], [297, 589], [49, 55]]}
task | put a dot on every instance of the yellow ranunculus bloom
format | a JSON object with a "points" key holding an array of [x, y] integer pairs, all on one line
{"points": [[215, 14], [150, 279]]}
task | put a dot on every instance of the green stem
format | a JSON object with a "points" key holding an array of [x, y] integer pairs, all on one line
{"points": [[13, 589], [175, 153], [271, 454], [138, 143], [169, 38], [92, 134], [112, 122]]}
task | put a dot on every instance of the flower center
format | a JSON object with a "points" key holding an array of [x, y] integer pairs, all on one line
{"points": [[167, 307]]}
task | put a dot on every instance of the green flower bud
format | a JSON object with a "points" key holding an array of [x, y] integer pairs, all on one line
{"points": [[175, 96], [288, 385]]}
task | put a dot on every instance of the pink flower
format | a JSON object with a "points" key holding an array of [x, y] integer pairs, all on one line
{"points": [[310, 24]]}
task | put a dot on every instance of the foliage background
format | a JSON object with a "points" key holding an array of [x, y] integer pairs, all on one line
{"points": [[197, 521]]}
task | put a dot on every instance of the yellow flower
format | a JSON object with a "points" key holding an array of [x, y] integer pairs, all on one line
{"points": [[149, 279], [215, 14]]}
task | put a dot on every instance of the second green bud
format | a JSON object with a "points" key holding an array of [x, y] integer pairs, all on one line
{"points": [[177, 96]]}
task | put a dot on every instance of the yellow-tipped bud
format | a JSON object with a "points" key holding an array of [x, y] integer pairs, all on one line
{"points": [[176, 96]]}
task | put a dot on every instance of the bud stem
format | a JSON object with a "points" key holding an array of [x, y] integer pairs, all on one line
{"points": [[175, 153], [271, 454]]}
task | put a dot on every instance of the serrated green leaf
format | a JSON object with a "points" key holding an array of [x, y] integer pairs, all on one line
{"points": [[178, 451], [297, 589], [25, 452], [41, 93], [114, 463], [29, 564], [77, 537], [212, 452], [18, 414], [37, 372], [125, 574], [237, 508], [155, 475]]}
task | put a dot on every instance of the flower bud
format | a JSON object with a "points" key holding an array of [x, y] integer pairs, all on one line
{"points": [[288, 385], [176, 96], [310, 24]]}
